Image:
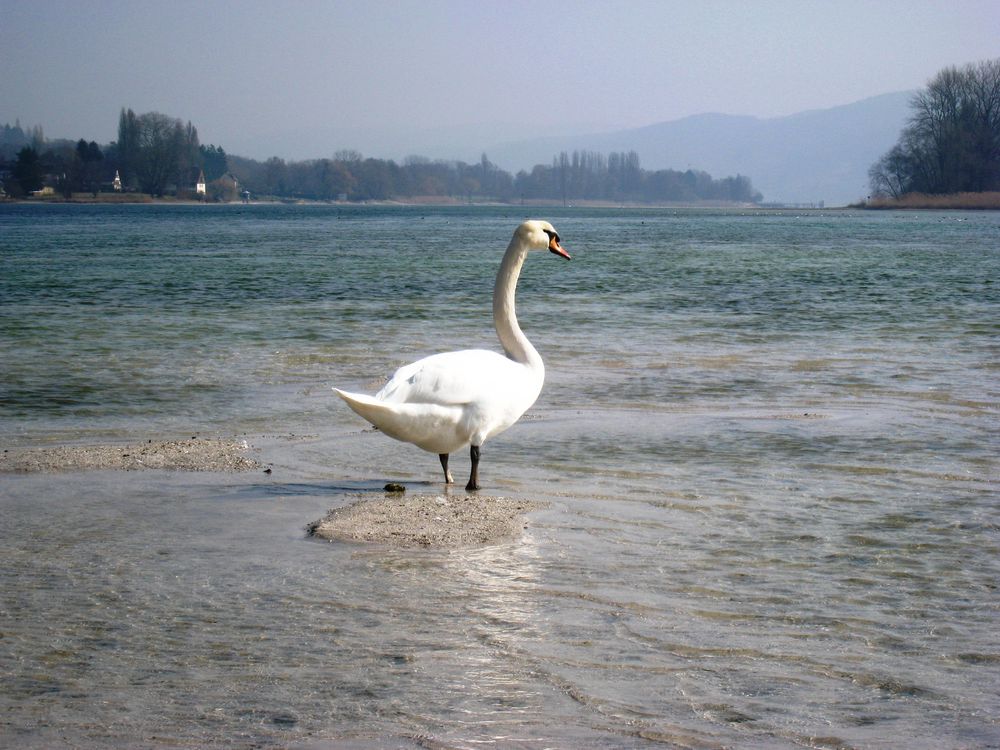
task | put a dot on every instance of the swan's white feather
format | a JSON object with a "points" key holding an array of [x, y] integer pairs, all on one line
{"points": [[448, 401], [459, 377]]}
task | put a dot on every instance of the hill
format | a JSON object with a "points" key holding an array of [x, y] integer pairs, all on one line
{"points": [[819, 155]]}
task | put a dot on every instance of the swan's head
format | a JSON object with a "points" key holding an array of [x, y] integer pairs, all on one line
{"points": [[540, 235]]}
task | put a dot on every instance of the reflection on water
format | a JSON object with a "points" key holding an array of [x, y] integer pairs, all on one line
{"points": [[768, 444]]}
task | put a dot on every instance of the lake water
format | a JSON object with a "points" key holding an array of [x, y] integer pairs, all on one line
{"points": [[768, 443]]}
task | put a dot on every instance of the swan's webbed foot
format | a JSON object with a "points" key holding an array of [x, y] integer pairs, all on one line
{"points": [[474, 477], [448, 478]]}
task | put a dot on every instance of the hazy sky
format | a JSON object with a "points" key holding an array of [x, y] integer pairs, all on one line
{"points": [[302, 79]]}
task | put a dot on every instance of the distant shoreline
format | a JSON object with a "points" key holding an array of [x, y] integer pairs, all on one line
{"points": [[115, 199], [989, 201]]}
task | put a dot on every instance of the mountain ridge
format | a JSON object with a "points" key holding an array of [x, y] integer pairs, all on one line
{"points": [[818, 155]]}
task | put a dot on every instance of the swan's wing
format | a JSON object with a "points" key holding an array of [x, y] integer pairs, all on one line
{"points": [[449, 379]]}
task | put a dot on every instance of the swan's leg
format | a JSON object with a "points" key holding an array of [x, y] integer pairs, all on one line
{"points": [[448, 479], [474, 477]]}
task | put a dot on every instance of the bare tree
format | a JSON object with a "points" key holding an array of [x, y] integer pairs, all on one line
{"points": [[952, 140], [890, 174]]}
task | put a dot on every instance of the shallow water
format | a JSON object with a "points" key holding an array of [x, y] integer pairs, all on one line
{"points": [[768, 441]]}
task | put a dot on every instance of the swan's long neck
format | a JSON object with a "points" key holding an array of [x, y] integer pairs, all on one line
{"points": [[512, 338]]}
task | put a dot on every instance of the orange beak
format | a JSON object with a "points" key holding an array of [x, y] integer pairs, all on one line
{"points": [[555, 247]]}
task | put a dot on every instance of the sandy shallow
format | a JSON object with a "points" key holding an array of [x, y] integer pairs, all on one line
{"points": [[196, 454], [394, 519], [432, 521]]}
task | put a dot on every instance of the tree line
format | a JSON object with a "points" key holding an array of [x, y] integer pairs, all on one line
{"points": [[158, 154], [588, 175], [951, 143], [580, 175], [154, 154]]}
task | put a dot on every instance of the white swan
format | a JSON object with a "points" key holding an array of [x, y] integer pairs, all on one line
{"points": [[446, 401]]}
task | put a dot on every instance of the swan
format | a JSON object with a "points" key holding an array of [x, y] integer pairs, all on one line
{"points": [[447, 401]]}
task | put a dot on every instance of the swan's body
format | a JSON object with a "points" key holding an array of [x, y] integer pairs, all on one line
{"points": [[445, 402]]}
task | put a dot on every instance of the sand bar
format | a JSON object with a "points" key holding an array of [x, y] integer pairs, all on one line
{"points": [[431, 521], [196, 454]]}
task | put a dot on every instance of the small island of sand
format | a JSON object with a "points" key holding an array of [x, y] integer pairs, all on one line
{"points": [[438, 521]]}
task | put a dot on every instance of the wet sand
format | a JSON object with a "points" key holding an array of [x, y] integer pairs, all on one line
{"points": [[196, 454], [439, 521]]}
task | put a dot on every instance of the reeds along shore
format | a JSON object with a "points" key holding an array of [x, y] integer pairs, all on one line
{"points": [[966, 201]]}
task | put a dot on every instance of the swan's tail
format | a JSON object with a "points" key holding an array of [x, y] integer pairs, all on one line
{"points": [[364, 406], [420, 424]]}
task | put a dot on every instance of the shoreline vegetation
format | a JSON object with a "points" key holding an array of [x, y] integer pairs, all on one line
{"points": [[161, 156], [986, 201], [949, 145]]}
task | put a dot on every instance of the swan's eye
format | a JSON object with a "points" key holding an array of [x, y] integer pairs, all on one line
{"points": [[552, 235]]}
